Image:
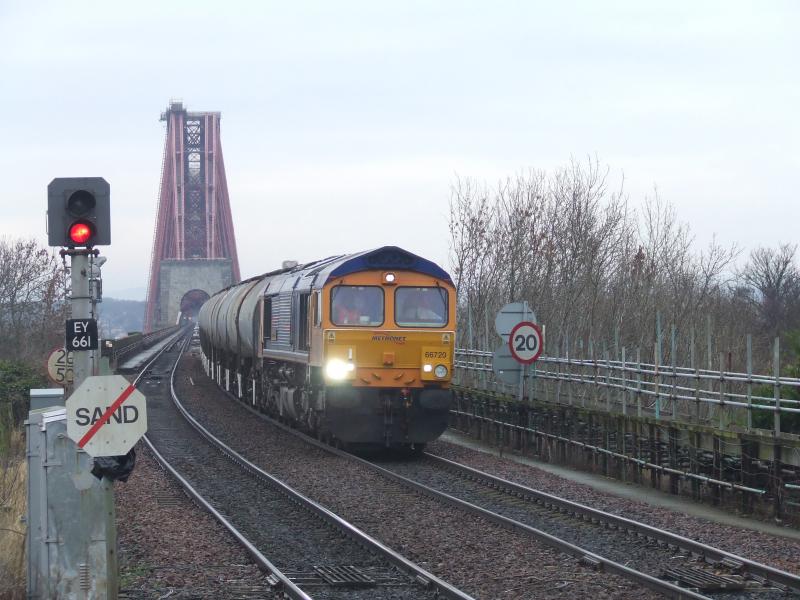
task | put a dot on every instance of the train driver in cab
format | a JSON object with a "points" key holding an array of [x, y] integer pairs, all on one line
{"points": [[426, 307], [357, 305]]}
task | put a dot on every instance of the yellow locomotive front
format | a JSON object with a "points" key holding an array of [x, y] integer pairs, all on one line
{"points": [[356, 347], [388, 340]]}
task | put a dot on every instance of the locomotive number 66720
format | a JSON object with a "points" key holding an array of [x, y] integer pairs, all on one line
{"points": [[356, 347]]}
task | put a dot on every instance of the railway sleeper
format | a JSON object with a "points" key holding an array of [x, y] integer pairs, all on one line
{"points": [[591, 562]]}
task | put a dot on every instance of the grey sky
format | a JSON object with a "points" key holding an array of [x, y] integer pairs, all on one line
{"points": [[345, 123]]}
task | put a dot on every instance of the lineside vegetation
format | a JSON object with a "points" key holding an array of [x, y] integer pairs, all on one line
{"points": [[596, 267], [31, 324]]}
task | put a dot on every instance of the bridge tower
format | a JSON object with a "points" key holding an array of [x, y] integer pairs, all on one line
{"points": [[194, 248]]}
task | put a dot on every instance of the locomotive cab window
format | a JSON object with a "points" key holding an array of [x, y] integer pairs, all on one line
{"points": [[356, 305], [420, 306]]}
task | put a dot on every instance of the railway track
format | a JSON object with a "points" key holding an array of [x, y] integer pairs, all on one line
{"points": [[605, 538], [308, 551], [657, 559]]}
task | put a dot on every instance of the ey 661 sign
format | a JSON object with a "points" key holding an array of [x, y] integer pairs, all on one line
{"points": [[81, 334]]}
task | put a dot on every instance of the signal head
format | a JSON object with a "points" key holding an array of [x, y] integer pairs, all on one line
{"points": [[79, 212]]}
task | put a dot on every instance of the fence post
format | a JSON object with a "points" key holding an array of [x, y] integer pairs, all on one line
{"points": [[657, 377], [608, 378], [569, 371], [469, 325], [545, 383], [749, 382], [696, 369], [709, 360], [776, 365], [722, 390], [616, 356], [672, 350], [776, 446], [692, 362], [557, 391], [624, 385], [594, 375], [658, 358], [486, 327], [580, 355], [639, 382]]}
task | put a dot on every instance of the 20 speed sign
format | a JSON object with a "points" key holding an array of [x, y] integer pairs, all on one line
{"points": [[525, 341]]}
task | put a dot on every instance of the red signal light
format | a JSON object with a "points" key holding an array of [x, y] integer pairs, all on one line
{"points": [[80, 232]]}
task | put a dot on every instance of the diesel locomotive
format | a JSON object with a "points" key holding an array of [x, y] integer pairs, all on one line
{"points": [[355, 348]]}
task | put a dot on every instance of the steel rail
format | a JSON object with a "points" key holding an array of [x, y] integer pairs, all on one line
{"points": [[755, 568], [421, 575], [289, 587], [596, 560], [663, 587], [263, 563], [145, 368]]}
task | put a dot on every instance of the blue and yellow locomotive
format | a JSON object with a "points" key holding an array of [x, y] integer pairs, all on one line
{"points": [[358, 348]]}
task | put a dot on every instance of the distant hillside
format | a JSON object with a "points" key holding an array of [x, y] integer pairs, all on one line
{"points": [[118, 317]]}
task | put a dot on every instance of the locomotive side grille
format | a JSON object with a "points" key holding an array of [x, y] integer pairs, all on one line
{"points": [[281, 321]]}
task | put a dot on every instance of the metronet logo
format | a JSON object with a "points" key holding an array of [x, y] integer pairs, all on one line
{"points": [[397, 339]]}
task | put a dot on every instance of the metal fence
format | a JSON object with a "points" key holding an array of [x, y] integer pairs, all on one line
{"points": [[119, 349], [719, 398]]}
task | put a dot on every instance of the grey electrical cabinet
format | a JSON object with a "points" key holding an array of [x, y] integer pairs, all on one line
{"points": [[71, 538]]}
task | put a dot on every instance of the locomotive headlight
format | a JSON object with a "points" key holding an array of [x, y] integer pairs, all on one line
{"points": [[440, 371], [338, 369], [427, 368]]}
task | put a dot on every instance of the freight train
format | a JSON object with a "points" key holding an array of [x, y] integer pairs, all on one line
{"points": [[357, 349]]}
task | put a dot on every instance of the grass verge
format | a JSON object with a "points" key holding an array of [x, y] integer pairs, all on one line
{"points": [[13, 492]]}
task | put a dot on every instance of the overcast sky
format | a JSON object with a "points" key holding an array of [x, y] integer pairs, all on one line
{"points": [[345, 123]]}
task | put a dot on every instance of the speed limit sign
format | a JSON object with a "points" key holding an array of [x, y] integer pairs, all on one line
{"points": [[59, 366], [525, 341]]}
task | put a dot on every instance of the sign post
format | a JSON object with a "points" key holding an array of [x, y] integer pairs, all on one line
{"points": [[522, 344], [78, 335], [71, 523]]}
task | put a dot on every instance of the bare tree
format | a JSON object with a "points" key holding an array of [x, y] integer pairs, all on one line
{"points": [[31, 299], [774, 277], [596, 269]]}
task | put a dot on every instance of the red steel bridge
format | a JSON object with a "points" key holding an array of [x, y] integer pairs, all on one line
{"points": [[194, 247]]}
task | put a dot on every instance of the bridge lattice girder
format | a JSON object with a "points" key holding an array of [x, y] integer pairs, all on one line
{"points": [[194, 218]]}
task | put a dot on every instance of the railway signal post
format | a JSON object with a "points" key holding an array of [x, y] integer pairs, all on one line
{"points": [[71, 527]]}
